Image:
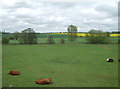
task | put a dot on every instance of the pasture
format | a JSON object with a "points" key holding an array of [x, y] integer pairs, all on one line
{"points": [[69, 65], [42, 38]]}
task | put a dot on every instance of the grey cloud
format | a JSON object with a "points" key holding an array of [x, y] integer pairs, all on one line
{"points": [[110, 10], [57, 16]]}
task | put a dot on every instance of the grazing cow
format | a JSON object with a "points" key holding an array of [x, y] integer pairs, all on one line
{"points": [[109, 60], [14, 72], [44, 81]]}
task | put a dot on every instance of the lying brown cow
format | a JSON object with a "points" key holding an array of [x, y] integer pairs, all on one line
{"points": [[44, 81], [14, 72]]}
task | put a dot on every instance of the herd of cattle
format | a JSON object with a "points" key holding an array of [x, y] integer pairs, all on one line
{"points": [[39, 81], [46, 81]]}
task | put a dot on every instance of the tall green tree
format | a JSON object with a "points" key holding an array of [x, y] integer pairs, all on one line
{"points": [[97, 37], [72, 32], [28, 36]]}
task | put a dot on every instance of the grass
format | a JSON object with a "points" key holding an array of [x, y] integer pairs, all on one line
{"points": [[69, 65]]}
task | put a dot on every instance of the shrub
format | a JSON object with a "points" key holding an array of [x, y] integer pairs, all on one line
{"points": [[62, 41], [97, 37], [5, 40], [11, 38], [118, 41], [50, 40]]}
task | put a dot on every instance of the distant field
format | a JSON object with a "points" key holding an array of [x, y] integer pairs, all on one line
{"points": [[78, 40], [44, 35], [42, 38], [57, 40], [69, 65], [84, 34]]}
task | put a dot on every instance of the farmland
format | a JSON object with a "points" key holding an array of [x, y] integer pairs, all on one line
{"points": [[69, 65], [41, 38], [73, 64], [60, 44]]}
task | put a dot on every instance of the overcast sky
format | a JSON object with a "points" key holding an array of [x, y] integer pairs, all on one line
{"points": [[57, 16]]}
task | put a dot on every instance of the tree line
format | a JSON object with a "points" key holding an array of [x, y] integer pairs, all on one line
{"points": [[28, 36]]}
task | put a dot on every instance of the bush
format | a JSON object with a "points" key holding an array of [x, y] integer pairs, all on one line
{"points": [[118, 41], [5, 40], [50, 40], [11, 38], [62, 41], [97, 37]]}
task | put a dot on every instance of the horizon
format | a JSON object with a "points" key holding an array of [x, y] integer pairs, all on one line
{"points": [[60, 32]]}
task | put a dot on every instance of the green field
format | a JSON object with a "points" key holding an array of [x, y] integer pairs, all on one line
{"points": [[69, 65], [42, 38]]}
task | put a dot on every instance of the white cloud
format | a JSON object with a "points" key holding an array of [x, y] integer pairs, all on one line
{"points": [[57, 16], [9, 3], [23, 11]]}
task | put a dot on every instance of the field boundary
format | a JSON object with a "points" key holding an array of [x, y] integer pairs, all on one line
{"points": [[51, 44]]}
